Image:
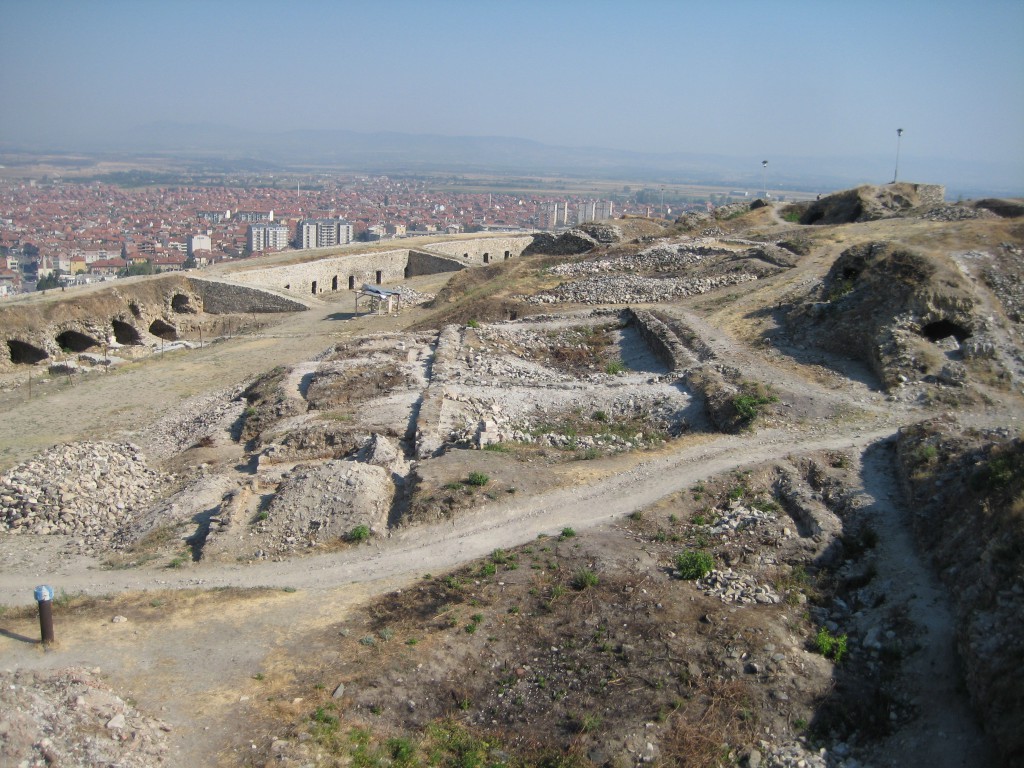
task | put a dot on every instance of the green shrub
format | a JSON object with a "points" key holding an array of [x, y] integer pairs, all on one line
{"points": [[473, 324], [830, 646], [694, 564], [600, 416], [478, 479], [567, 533], [358, 534]]}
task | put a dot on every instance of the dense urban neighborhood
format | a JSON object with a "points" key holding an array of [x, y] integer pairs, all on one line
{"points": [[58, 233]]}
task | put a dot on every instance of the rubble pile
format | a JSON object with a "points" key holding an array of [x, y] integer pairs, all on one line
{"points": [[322, 503], [87, 490], [412, 298], [70, 717], [955, 213], [732, 587], [630, 289], [664, 257], [738, 517]]}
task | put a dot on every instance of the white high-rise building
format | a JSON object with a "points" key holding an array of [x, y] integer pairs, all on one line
{"points": [[323, 233], [267, 237], [199, 243]]}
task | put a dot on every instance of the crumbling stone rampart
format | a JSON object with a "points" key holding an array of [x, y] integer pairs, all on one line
{"points": [[221, 298]]}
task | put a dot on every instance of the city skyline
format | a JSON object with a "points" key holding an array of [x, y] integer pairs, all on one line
{"points": [[786, 79]]}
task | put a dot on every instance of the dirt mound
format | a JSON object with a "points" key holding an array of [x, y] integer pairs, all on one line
{"points": [[324, 503], [907, 315], [866, 203]]}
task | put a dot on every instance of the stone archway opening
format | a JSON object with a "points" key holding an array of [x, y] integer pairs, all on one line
{"points": [[164, 330], [23, 353], [943, 329], [182, 304], [334, 283], [73, 341], [125, 333]]}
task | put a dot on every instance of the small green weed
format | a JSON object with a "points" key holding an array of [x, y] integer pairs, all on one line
{"points": [[694, 564], [584, 578], [358, 534], [478, 479], [830, 646]]}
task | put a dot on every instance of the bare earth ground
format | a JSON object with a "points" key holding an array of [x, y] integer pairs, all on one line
{"points": [[202, 661]]}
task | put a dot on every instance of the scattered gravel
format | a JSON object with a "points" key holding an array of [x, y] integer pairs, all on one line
{"points": [[71, 718]]}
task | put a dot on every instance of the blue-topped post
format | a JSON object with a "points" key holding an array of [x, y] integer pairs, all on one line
{"points": [[44, 598]]}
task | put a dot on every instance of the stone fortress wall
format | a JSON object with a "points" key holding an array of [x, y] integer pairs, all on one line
{"points": [[349, 271], [142, 313]]}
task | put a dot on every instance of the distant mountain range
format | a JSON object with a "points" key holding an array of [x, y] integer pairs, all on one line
{"points": [[391, 152]]}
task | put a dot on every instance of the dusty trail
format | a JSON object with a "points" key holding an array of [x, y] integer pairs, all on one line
{"points": [[441, 547], [944, 732]]}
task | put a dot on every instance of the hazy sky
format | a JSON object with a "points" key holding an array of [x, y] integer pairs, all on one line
{"points": [[717, 76]]}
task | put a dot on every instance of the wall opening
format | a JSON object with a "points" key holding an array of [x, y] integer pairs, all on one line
{"points": [[942, 329], [287, 286], [314, 288], [164, 330], [125, 333], [73, 341], [465, 255], [508, 255], [182, 304], [380, 277], [351, 282], [487, 258], [24, 353], [334, 283]]}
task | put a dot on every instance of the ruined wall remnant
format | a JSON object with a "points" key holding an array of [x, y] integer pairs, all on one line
{"points": [[222, 298]]}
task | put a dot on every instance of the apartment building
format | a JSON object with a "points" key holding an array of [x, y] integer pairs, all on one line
{"points": [[323, 233], [266, 237], [254, 217], [199, 243]]}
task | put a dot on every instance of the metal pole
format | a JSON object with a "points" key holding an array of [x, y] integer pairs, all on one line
{"points": [[44, 598], [764, 178], [899, 136]]}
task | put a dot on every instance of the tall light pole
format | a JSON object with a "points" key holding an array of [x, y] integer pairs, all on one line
{"points": [[764, 178], [899, 135]]}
